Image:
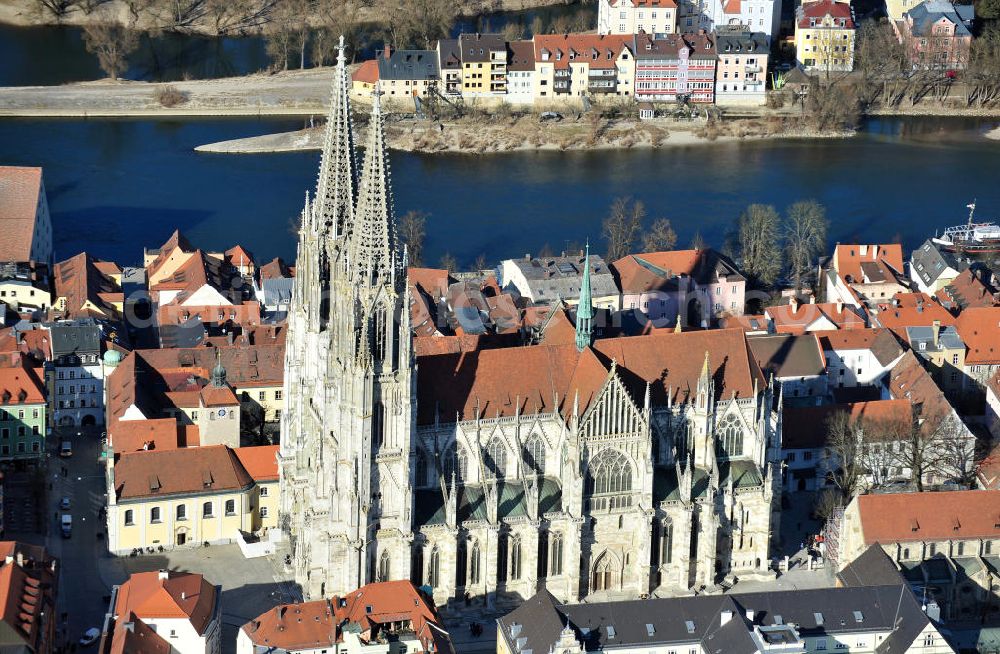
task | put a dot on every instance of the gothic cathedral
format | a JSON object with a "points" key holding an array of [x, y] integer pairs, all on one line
{"points": [[608, 468]]}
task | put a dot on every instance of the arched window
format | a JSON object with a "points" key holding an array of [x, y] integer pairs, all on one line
{"points": [[420, 470], [556, 554], [384, 566], [417, 565], [609, 481], [605, 575], [461, 563], [729, 437], [457, 462], [474, 564], [496, 458], [434, 568], [682, 439], [666, 540], [534, 455], [515, 558]]}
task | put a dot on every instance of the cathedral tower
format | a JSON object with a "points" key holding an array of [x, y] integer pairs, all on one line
{"points": [[344, 459]]}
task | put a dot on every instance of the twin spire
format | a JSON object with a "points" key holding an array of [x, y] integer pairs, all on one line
{"points": [[354, 221], [585, 308]]}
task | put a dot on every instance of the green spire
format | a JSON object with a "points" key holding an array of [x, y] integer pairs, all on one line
{"points": [[218, 372], [585, 309]]}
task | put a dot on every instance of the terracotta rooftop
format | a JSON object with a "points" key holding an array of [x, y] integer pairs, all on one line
{"points": [[911, 310], [909, 380], [949, 515], [275, 269], [546, 378], [849, 258], [88, 291], [168, 594], [19, 191], [980, 330], [880, 342], [796, 318], [966, 291], [198, 470], [27, 578], [260, 462], [805, 427], [818, 10], [367, 72], [988, 471], [598, 51], [21, 385]]}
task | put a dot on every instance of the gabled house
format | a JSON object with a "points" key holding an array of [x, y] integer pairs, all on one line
{"points": [[910, 310], [675, 67], [800, 318], [24, 216], [936, 34], [865, 273], [634, 16], [858, 357], [931, 268], [979, 329], [575, 65], [824, 36], [966, 290]]}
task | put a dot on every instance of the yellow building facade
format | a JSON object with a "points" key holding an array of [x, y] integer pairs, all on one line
{"points": [[824, 36]]}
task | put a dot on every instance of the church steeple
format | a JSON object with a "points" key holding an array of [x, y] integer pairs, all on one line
{"points": [[333, 207], [585, 309], [372, 252], [218, 372]]}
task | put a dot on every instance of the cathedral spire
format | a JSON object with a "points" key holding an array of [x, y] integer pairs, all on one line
{"points": [[372, 241], [585, 309], [335, 189]]}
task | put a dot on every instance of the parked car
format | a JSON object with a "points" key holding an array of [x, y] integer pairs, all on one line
{"points": [[66, 522], [64, 504], [66, 449], [90, 636]]}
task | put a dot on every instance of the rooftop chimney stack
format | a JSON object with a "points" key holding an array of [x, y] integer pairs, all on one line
{"points": [[936, 330]]}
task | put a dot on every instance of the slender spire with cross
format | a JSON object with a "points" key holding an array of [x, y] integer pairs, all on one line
{"points": [[372, 250], [333, 208], [585, 309]]}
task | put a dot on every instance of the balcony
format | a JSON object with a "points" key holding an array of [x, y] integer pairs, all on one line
{"points": [[752, 70]]}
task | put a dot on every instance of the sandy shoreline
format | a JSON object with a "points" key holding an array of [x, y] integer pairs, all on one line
{"points": [[994, 134]]}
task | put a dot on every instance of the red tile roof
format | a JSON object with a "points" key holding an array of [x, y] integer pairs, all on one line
{"points": [[366, 73], [79, 279], [900, 517], [805, 427], [544, 378], [988, 471], [275, 269], [789, 320], [847, 258], [195, 470], [21, 385], [966, 291], [167, 594], [913, 310], [27, 584], [598, 51], [648, 271], [879, 342], [980, 330], [820, 9], [260, 462], [19, 191]]}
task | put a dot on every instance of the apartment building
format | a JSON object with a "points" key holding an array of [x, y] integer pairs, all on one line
{"points": [[634, 16], [824, 36], [676, 67], [573, 65], [484, 64], [407, 73], [24, 216], [521, 73], [741, 75]]}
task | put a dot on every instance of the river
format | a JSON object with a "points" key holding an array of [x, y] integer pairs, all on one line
{"points": [[115, 186], [56, 54]]}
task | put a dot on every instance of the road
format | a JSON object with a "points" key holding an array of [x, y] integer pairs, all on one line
{"points": [[83, 595]]}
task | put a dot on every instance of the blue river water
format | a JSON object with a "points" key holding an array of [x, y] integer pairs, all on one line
{"points": [[115, 186]]}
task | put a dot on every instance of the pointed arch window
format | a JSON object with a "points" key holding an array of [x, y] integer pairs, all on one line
{"points": [[605, 576], [456, 461], [461, 564], [534, 455], [609, 481], [434, 568], [666, 541], [474, 564], [384, 566], [515, 558], [729, 437], [556, 554], [420, 470], [496, 458], [417, 566]]}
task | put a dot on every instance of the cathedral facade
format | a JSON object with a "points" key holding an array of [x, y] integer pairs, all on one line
{"points": [[597, 469]]}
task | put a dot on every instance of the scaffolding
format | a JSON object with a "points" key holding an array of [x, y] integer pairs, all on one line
{"points": [[831, 537]]}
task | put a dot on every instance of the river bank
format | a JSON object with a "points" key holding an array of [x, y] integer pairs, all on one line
{"points": [[24, 13], [475, 135]]}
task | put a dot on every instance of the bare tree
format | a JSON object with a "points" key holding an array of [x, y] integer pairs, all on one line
{"points": [[879, 58], [448, 262], [832, 106], [760, 243], [281, 33], [480, 264], [844, 441], [513, 31], [660, 237], [537, 26], [416, 23], [112, 43], [924, 443], [55, 8], [622, 226], [698, 241], [958, 452], [982, 77], [805, 237], [412, 230]]}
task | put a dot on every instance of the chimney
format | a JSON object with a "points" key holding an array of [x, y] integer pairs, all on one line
{"points": [[812, 299], [750, 614], [936, 330], [8, 560], [162, 575], [725, 618], [840, 306], [183, 595], [794, 303], [20, 559]]}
